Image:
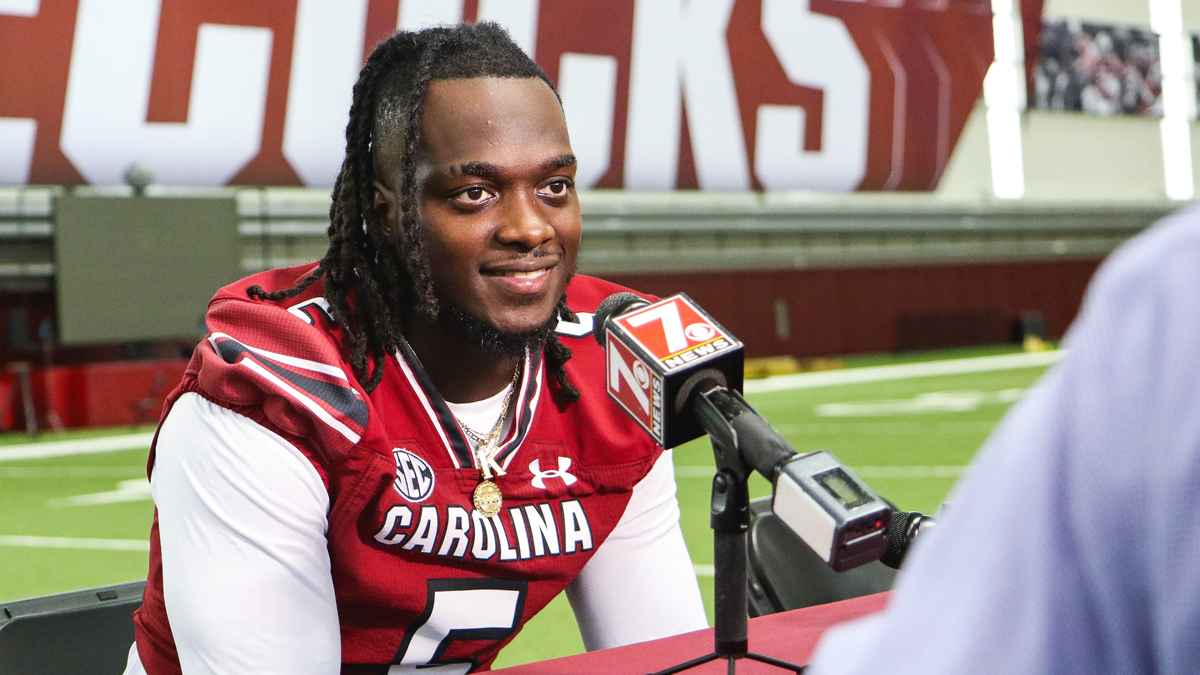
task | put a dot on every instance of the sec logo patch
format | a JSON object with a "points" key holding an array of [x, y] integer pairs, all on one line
{"points": [[414, 478]]}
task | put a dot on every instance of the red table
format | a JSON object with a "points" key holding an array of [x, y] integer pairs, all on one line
{"points": [[789, 636]]}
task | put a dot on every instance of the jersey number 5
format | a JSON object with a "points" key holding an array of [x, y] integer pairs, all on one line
{"points": [[459, 609]]}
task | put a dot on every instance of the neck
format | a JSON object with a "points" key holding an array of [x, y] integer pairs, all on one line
{"points": [[461, 371]]}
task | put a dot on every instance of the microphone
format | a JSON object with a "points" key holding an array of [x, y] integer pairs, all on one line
{"points": [[678, 373], [657, 355]]}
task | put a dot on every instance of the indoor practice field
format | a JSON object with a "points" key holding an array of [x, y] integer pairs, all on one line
{"points": [[75, 510]]}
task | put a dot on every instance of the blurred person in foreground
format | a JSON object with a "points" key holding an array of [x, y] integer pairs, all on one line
{"points": [[1073, 545], [392, 459]]}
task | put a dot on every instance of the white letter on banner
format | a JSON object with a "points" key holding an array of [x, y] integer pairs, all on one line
{"points": [[670, 40], [815, 51], [108, 91], [17, 134], [326, 57], [519, 18], [20, 7], [418, 14], [16, 149], [587, 84]]}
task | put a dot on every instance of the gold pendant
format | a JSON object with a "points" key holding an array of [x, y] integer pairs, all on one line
{"points": [[487, 498]]}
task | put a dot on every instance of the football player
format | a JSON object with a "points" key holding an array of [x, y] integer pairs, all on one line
{"points": [[391, 459]]}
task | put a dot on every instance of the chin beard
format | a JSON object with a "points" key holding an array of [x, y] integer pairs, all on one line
{"points": [[491, 339]]}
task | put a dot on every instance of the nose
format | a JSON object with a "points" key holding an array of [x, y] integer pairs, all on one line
{"points": [[524, 224]]}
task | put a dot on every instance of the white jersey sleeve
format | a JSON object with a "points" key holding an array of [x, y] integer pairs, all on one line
{"points": [[1072, 545], [640, 584], [242, 524]]}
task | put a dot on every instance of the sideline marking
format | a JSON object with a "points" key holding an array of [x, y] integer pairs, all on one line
{"points": [[72, 542], [860, 471], [83, 446], [134, 490], [904, 371], [931, 402], [73, 471], [909, 471], [704, 570]]}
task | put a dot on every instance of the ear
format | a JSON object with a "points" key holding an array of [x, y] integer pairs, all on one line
{"points": [[383, 211]]}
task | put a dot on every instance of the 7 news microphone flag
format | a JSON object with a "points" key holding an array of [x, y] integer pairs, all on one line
{"points": [[657, 354]]}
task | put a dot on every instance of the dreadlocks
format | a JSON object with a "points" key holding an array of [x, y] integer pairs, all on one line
{"points": [[385, 118]]}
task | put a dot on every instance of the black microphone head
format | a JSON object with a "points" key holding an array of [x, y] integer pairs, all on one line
{"points": [[614, 305]]}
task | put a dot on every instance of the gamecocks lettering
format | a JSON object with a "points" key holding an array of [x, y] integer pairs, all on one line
{"points": [[676, 46], [326, 56], [816, 51], [104, 126]]}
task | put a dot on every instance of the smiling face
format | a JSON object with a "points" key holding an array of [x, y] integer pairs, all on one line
{"points": [[499, 216]]}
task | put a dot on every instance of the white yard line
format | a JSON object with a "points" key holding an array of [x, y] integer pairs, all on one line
{"points": [[75, 543], [35, 472], [908, 471], [83, 446], [860, 471], [904, 371], [695, 471], [134, 490]]}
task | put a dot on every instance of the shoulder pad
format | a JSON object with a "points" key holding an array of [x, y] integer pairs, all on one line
{"points": [[286, 360]]}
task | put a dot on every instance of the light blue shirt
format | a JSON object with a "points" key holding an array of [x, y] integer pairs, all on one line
{"points": [[1073, 544]]}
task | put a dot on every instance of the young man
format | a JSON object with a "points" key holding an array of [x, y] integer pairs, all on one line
{"points": [[393, 459]]}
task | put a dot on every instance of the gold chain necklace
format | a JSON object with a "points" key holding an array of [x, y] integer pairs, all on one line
{"points": [[486, 496]]}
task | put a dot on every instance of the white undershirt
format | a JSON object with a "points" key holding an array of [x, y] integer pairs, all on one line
{"points": [[246, 570], [481, 416]]}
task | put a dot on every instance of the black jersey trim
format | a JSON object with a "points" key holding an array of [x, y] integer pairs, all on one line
{"points": [[531, 388], [338, 397], [443, 417], [529, 391]]}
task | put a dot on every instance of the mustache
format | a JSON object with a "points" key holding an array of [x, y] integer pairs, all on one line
{"points": [[539, 252]]}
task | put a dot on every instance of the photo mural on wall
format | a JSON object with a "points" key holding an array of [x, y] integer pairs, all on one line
{"points": [[1097, 68]]}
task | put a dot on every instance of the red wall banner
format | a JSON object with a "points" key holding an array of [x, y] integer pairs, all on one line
{"points": [[660, 94]]}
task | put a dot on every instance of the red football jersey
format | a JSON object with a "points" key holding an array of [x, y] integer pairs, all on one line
{"points": [[420, 576]]}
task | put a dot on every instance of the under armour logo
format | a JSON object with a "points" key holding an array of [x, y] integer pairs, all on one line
{"points": [[539, 476]]}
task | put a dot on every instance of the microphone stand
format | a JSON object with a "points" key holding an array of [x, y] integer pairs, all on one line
{"points": [[730, 520]]}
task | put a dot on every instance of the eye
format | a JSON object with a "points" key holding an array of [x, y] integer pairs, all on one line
{"points": [[556, 189], [473, 196]]}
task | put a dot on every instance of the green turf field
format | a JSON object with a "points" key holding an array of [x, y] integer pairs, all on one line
{"points": [[71, 522]]}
